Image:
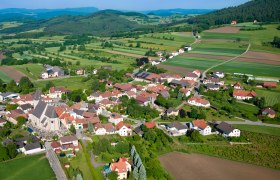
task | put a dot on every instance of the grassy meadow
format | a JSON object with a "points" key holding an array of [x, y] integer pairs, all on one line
{"points": [[259, 129], [26, 168]]}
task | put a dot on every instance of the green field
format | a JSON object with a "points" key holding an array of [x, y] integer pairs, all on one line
{"points": [[35, 70], [271, 96], [192, 62], [259, 129], [30, 167], [5, 77], [71, 83]]}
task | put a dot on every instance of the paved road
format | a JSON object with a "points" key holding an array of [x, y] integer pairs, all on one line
{"points": [[54, 162]]}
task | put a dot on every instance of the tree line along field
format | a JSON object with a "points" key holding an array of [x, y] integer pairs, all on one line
{"points": [[30, 167]]}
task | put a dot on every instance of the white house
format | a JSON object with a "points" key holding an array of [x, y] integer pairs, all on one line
{"points": [[156, 62], [33, 148], [103, 129], [115, 118], [188, 48], [175, 53], [124, 129], [8, 96], [44, 75], [177, 129], [197, 101], [201, 125], [219, 74], [56, 92], [227, 130], [181, 51], [122, 167], [243, 95]]}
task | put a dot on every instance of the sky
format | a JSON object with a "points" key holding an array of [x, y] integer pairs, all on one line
{"points": [[121, 4]]}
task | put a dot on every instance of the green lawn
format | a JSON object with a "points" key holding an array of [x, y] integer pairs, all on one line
{"points": [[5, 77], [71, 83], [30, 167], [35, 70], [271, 96], [259, 129]]}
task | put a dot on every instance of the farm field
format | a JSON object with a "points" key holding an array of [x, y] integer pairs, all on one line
{"points": [[212, 168], [5, 77], [71, 83], [26, 168], [271, 96], [226, 29], [12, 72], [33, 71], [259, 129], [175, 69]]}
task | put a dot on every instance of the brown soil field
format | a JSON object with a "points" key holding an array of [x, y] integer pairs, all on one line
{"points": [[195, 166], [226, 29], [12, 72], [175, 69]]}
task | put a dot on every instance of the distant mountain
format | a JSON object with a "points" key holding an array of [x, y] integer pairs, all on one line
{"points": [[260, 10], [19, 14], [101, 23], [169, 12]]}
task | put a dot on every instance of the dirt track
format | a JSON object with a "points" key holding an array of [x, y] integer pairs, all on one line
{"points": [[226, 29], [12, 72], [194, 166]]}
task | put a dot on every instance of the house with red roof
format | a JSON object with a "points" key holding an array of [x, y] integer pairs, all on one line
{"points": [[145, 98], [124, 129], [185, 91], [244, 95], [169, 77], [269, 112], [115, 118], [191, 76], [202, 126], [198, 101], [69, 143], [269, 84], [104, 129], [237, 86], [125, 87], [122, 167]]}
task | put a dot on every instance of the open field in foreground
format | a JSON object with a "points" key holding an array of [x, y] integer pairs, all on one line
{"points": [[30, 167], [194, 166]]}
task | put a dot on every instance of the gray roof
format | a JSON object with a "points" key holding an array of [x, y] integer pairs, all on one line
{"points": [[225, 127], [176, 82], [43, 120], [212, 86], [79, 112], [26, 106], [39, 109], [50, 112], [139, 131], [170, 110], [32, 146], [177, 125], [37, 95], [6, 94]]}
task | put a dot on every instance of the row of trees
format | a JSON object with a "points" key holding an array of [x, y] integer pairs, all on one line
{"points": [[139, 171], [24, 86]]}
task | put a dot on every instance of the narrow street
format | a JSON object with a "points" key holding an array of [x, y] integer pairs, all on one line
{"points": [[54, 162]]}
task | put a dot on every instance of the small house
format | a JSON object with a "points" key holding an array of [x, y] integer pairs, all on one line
{"points": [[269, 112], [227, 130]]}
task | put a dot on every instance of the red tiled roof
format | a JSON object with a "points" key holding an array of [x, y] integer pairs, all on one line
{"points": [[268, 111], [200, 123], [150, 125], [55, 144], [123, 87], [183, 90], [58, 89], [190, 74], [270, 84], [199, 100], [116, 115], [243, 93], [120, 165], [121, 124]]}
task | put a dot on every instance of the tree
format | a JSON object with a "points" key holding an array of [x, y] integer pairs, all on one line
{"points": [[196, 136], [12, 150], [72, 129], [10, 107], [142, 172], [78, 63], [138, 44], [25, 85], [12, 86], [20, 121], [90, 127], [48, 85], [182, 113], [4, 156], [113, 175]]}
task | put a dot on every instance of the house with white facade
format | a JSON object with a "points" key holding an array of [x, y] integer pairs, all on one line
{"points": [[7, 96], [56, 92], [122, 167], [124, 129], [201, 125], [244, 95], [198, 101], [33, 148], [104, 129], [115, 118], [69, 143], [227, 130], [177, 129]]}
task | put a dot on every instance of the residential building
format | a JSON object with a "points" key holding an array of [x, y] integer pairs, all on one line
{"points": [[104, 129], [122, 167], [269, 112], [57, 92], [185, 91], [212, 87], [7, 96], [218, 74], [33, 148], [188, 48], [201, 125], [181, 51], [177, 129], [227, 130], [124, 129], [69, 143], [244, 95], [52, 72], [150, 125], [237, 86], [198, 101], [80, 72], [269, 84], [115, 118], [172, 112], [191, 76]]}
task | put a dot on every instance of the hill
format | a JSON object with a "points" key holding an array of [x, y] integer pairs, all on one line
{"points": [[169, 12], [260, 10], [101, 23], [20, 14]]}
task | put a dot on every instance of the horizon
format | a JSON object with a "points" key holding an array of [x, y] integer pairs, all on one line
{"points": [[122, 5]]}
